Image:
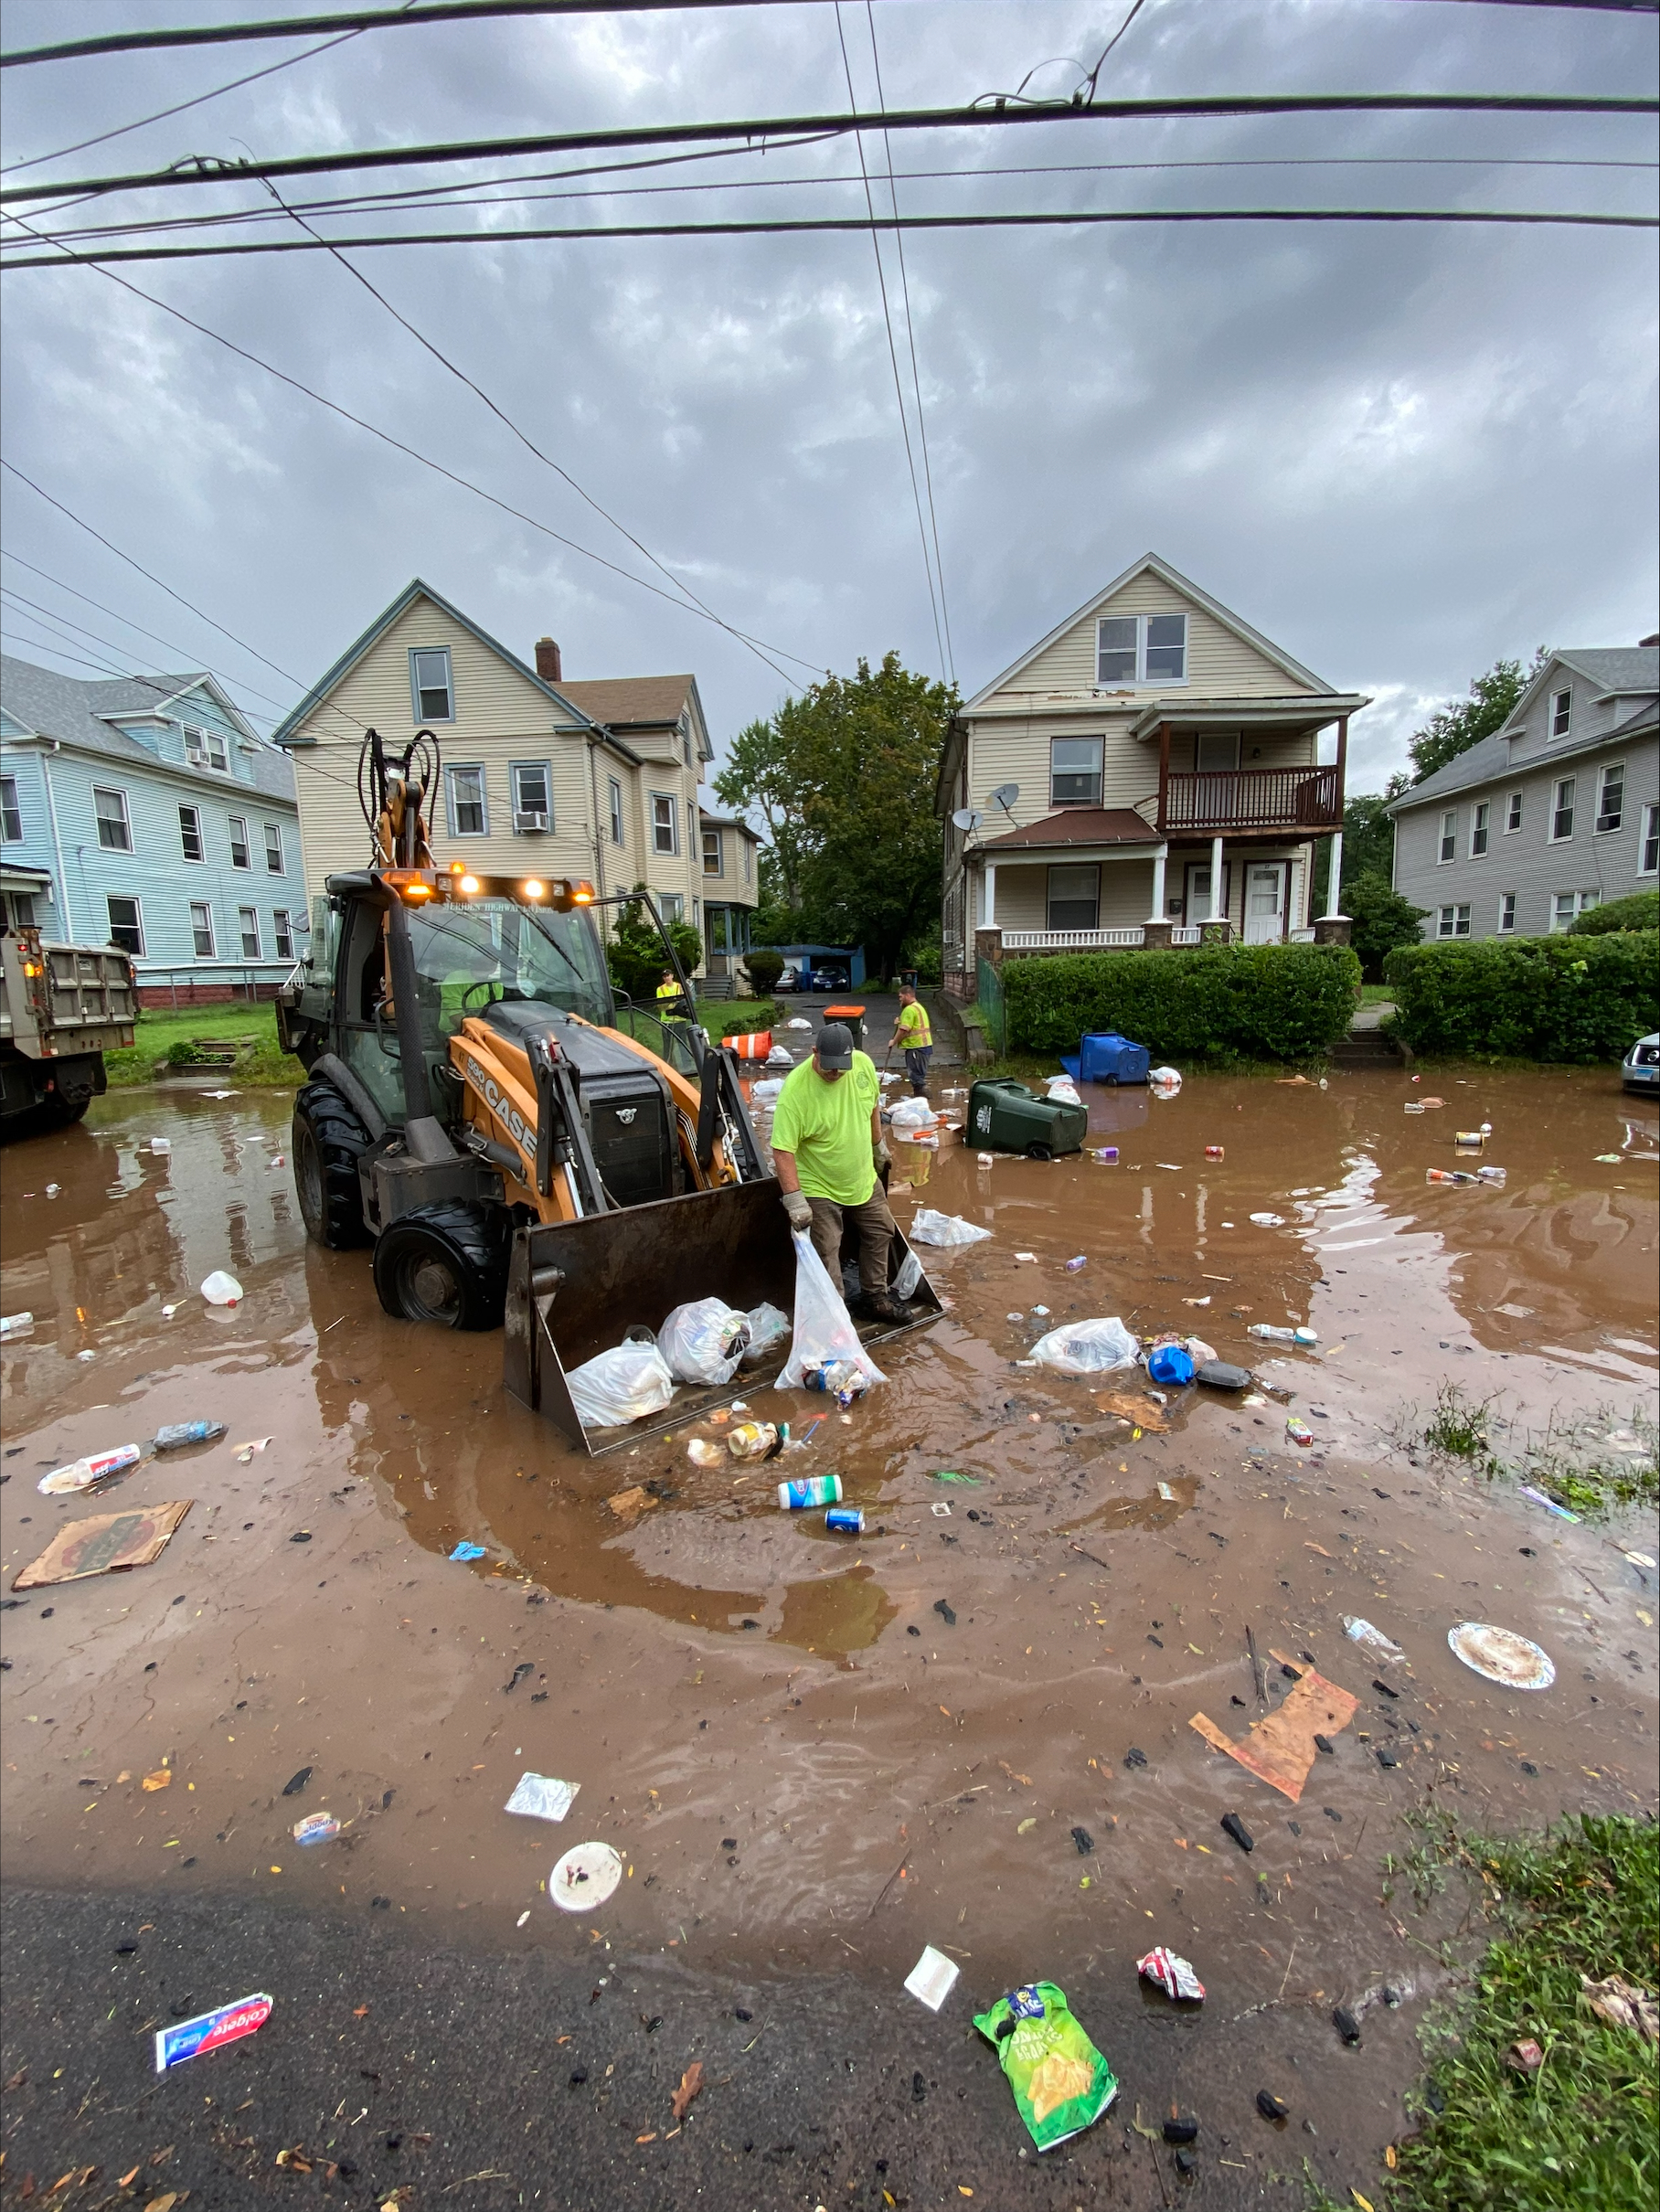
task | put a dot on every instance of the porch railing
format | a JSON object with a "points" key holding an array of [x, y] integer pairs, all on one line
{"points": [[1067, 941], [1252, 798]]}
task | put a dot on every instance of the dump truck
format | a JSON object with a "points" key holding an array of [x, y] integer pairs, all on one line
{"points": [[62, 1007], [520, 1146]]}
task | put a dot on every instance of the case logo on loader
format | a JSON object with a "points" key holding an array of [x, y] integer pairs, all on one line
{"points": [[625, 1114], [505, 1111]]}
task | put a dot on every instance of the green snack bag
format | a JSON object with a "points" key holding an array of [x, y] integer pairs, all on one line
{"points": [[1061, 2083]]}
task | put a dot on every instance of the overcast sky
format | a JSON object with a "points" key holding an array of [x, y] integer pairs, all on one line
{"points": [[1400, 451]]}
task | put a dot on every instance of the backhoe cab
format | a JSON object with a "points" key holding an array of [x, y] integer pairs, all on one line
{"points": [[485, 1114]]}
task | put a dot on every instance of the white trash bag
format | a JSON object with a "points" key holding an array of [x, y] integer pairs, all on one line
{"points": [[795, 1022], [1062, 1089], [1087, 1347], [824, 1328], [930, 1228], [781, 1055], [1165, 1082], [913, 1113], [769, 1325], [704, 1342], [765, 1093], [615, 1387]]}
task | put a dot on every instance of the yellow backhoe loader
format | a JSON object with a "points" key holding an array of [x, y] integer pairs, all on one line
{"points": [[516, 1143]]}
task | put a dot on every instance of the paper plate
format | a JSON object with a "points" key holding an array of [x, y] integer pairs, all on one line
{"points": [[585, 1876], [1502, 1655]]}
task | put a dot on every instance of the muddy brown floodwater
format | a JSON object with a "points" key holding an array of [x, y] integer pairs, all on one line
{"points": [[817, 1752]]}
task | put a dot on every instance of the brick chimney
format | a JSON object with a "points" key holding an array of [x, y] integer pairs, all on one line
{"points": [[548, 660]]}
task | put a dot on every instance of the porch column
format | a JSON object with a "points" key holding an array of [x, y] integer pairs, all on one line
{"points": [[989, 918], [1158, 913], [1218, 912], [1334, 881]]}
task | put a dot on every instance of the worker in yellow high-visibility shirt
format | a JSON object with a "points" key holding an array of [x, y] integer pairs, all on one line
{"points": [[913, 1032]]}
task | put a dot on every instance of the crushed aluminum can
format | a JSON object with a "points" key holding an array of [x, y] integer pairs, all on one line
{"points": [[1173, 1975], [316, 1828]]}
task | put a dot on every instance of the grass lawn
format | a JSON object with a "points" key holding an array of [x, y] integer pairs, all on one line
{"points": [[1377, 995], [158, 1030], [1580, 2129]]}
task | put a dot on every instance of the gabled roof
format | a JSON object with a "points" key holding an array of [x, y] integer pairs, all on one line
{"points": [[1613, 669], [1177, 582], [1618, 671], [1078, 825], [416, 588], [48, 705], [1642, 724], [650, 701], [731, 822]]}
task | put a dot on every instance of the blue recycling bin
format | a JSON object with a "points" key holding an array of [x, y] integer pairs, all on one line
{"points": [[1105, 1057]]}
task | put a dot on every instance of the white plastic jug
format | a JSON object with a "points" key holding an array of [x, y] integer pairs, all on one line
{"points": [[220, 1288]]}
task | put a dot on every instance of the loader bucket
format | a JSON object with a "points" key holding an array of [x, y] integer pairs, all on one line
{"points": [[575, 1288]]}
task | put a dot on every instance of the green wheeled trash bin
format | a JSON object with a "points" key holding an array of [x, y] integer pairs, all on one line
{"points": [[1005, 1116]]}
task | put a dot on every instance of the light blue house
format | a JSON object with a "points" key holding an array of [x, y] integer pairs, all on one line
{"points": [[144, 812]]}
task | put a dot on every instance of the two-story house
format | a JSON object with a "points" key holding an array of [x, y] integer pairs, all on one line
{"points": [[144, 812], [1149, 767], [585, 776], [1556, 813]]}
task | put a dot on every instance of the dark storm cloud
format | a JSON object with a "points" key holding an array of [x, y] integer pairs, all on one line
{"points": [[1399, 452]]}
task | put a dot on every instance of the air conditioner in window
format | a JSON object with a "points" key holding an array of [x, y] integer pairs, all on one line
{"points": [[530, 818]]}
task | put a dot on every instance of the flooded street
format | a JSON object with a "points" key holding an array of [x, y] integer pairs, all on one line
{"points": [[969, 1726]]}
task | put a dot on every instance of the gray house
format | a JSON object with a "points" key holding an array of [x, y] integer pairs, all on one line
{"points": [[1555, 814]]}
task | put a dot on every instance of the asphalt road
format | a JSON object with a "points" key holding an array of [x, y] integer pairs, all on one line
{"points": [[489, 2081]]}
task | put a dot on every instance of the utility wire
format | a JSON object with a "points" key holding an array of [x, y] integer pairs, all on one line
{"points": [[202, 170], [899, 392], [530, 445], [1047, 220], [910, 336], [366, 19]]}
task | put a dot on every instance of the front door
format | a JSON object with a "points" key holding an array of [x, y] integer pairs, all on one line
{"points": [[1197, 906], [1265, 887]]}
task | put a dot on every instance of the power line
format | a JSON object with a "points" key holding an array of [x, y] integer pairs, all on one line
{"points": [[881, 279], [370, 19], [911, 337], [1048, 220], [201, 170]]}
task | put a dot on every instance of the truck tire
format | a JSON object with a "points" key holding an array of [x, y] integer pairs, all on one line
{"points": [[328, 1142], [446, 1263], [58, 1112]]}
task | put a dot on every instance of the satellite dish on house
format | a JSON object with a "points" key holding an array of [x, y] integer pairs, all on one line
{"points": [[1005, 796], [967, 818]]}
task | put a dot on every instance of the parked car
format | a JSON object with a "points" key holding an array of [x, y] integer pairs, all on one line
{"points": [[1640, 1070], [827, 980]]}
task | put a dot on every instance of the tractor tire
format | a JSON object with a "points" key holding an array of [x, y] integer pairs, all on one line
{"points": [[447, 1264], [328, 1142]]}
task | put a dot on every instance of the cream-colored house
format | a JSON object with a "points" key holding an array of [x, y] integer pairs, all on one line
{"points": [[1148, 767], [591, 777]]}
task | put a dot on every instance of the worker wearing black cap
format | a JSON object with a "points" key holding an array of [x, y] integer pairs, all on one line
{"points": [[828, 1152]]}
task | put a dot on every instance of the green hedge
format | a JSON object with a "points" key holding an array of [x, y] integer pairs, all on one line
{"points": [[745, 1017], [1217, 1003], [1639, 910], [1574, 999]]}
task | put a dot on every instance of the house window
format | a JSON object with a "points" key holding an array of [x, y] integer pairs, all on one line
{"points": [[1480, 815], [190, 833], [1216, 752], [532, 792], [283, 930], [748, 857], [274, 848], [1611, 800], [665, 828], [114, 830], [201, 928], [1513, 812], [467, 818], [1075, 771], [673, 906], [206, 749], [1567, 906], [711, 852], [686, 750], [616, 811], [430, 683], [11, 814], [1562, 713], [1506, 913], [126, 926], [1074, 901], [1141, 649], [1561, 812], [22, 907], [248, 922], [1648, 854], [1453, 921], [238, 841], [1448, 837]]}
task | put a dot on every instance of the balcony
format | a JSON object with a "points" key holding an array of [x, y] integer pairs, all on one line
{"points": [[1231, 802]]}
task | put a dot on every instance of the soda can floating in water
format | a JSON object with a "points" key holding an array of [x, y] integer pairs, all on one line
{"points": [[1469, 1140], [1213, 1152], [811, 1490], [846, 1520], [316, 1828]]}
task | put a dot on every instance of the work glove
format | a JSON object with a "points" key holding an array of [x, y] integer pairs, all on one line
{"points": [[881, 1154], [799, 1211]]}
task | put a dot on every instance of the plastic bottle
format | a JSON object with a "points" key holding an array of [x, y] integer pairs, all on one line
{"points": [[1073, 1265], [1107, 1154], [838, 1378], [1447, 1175], [178, 1433], [1268, 1334], [96, 1467], [14, 1325], [220, 1288], [811, 1490], [161, 1145], [1496, 1175]]}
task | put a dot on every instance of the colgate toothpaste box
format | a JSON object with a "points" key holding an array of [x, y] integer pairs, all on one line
{"points": [[227, 2024]]}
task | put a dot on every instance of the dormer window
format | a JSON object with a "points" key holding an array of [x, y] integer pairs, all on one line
{"points": [[1141, 649], [206, 749]]}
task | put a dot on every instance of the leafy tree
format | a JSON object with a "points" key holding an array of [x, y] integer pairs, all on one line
{"points": [[765, 967], [1382, 920], [634, 954], [1640, 910], [1369, 842], [759, 776], [1453, 729]]}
